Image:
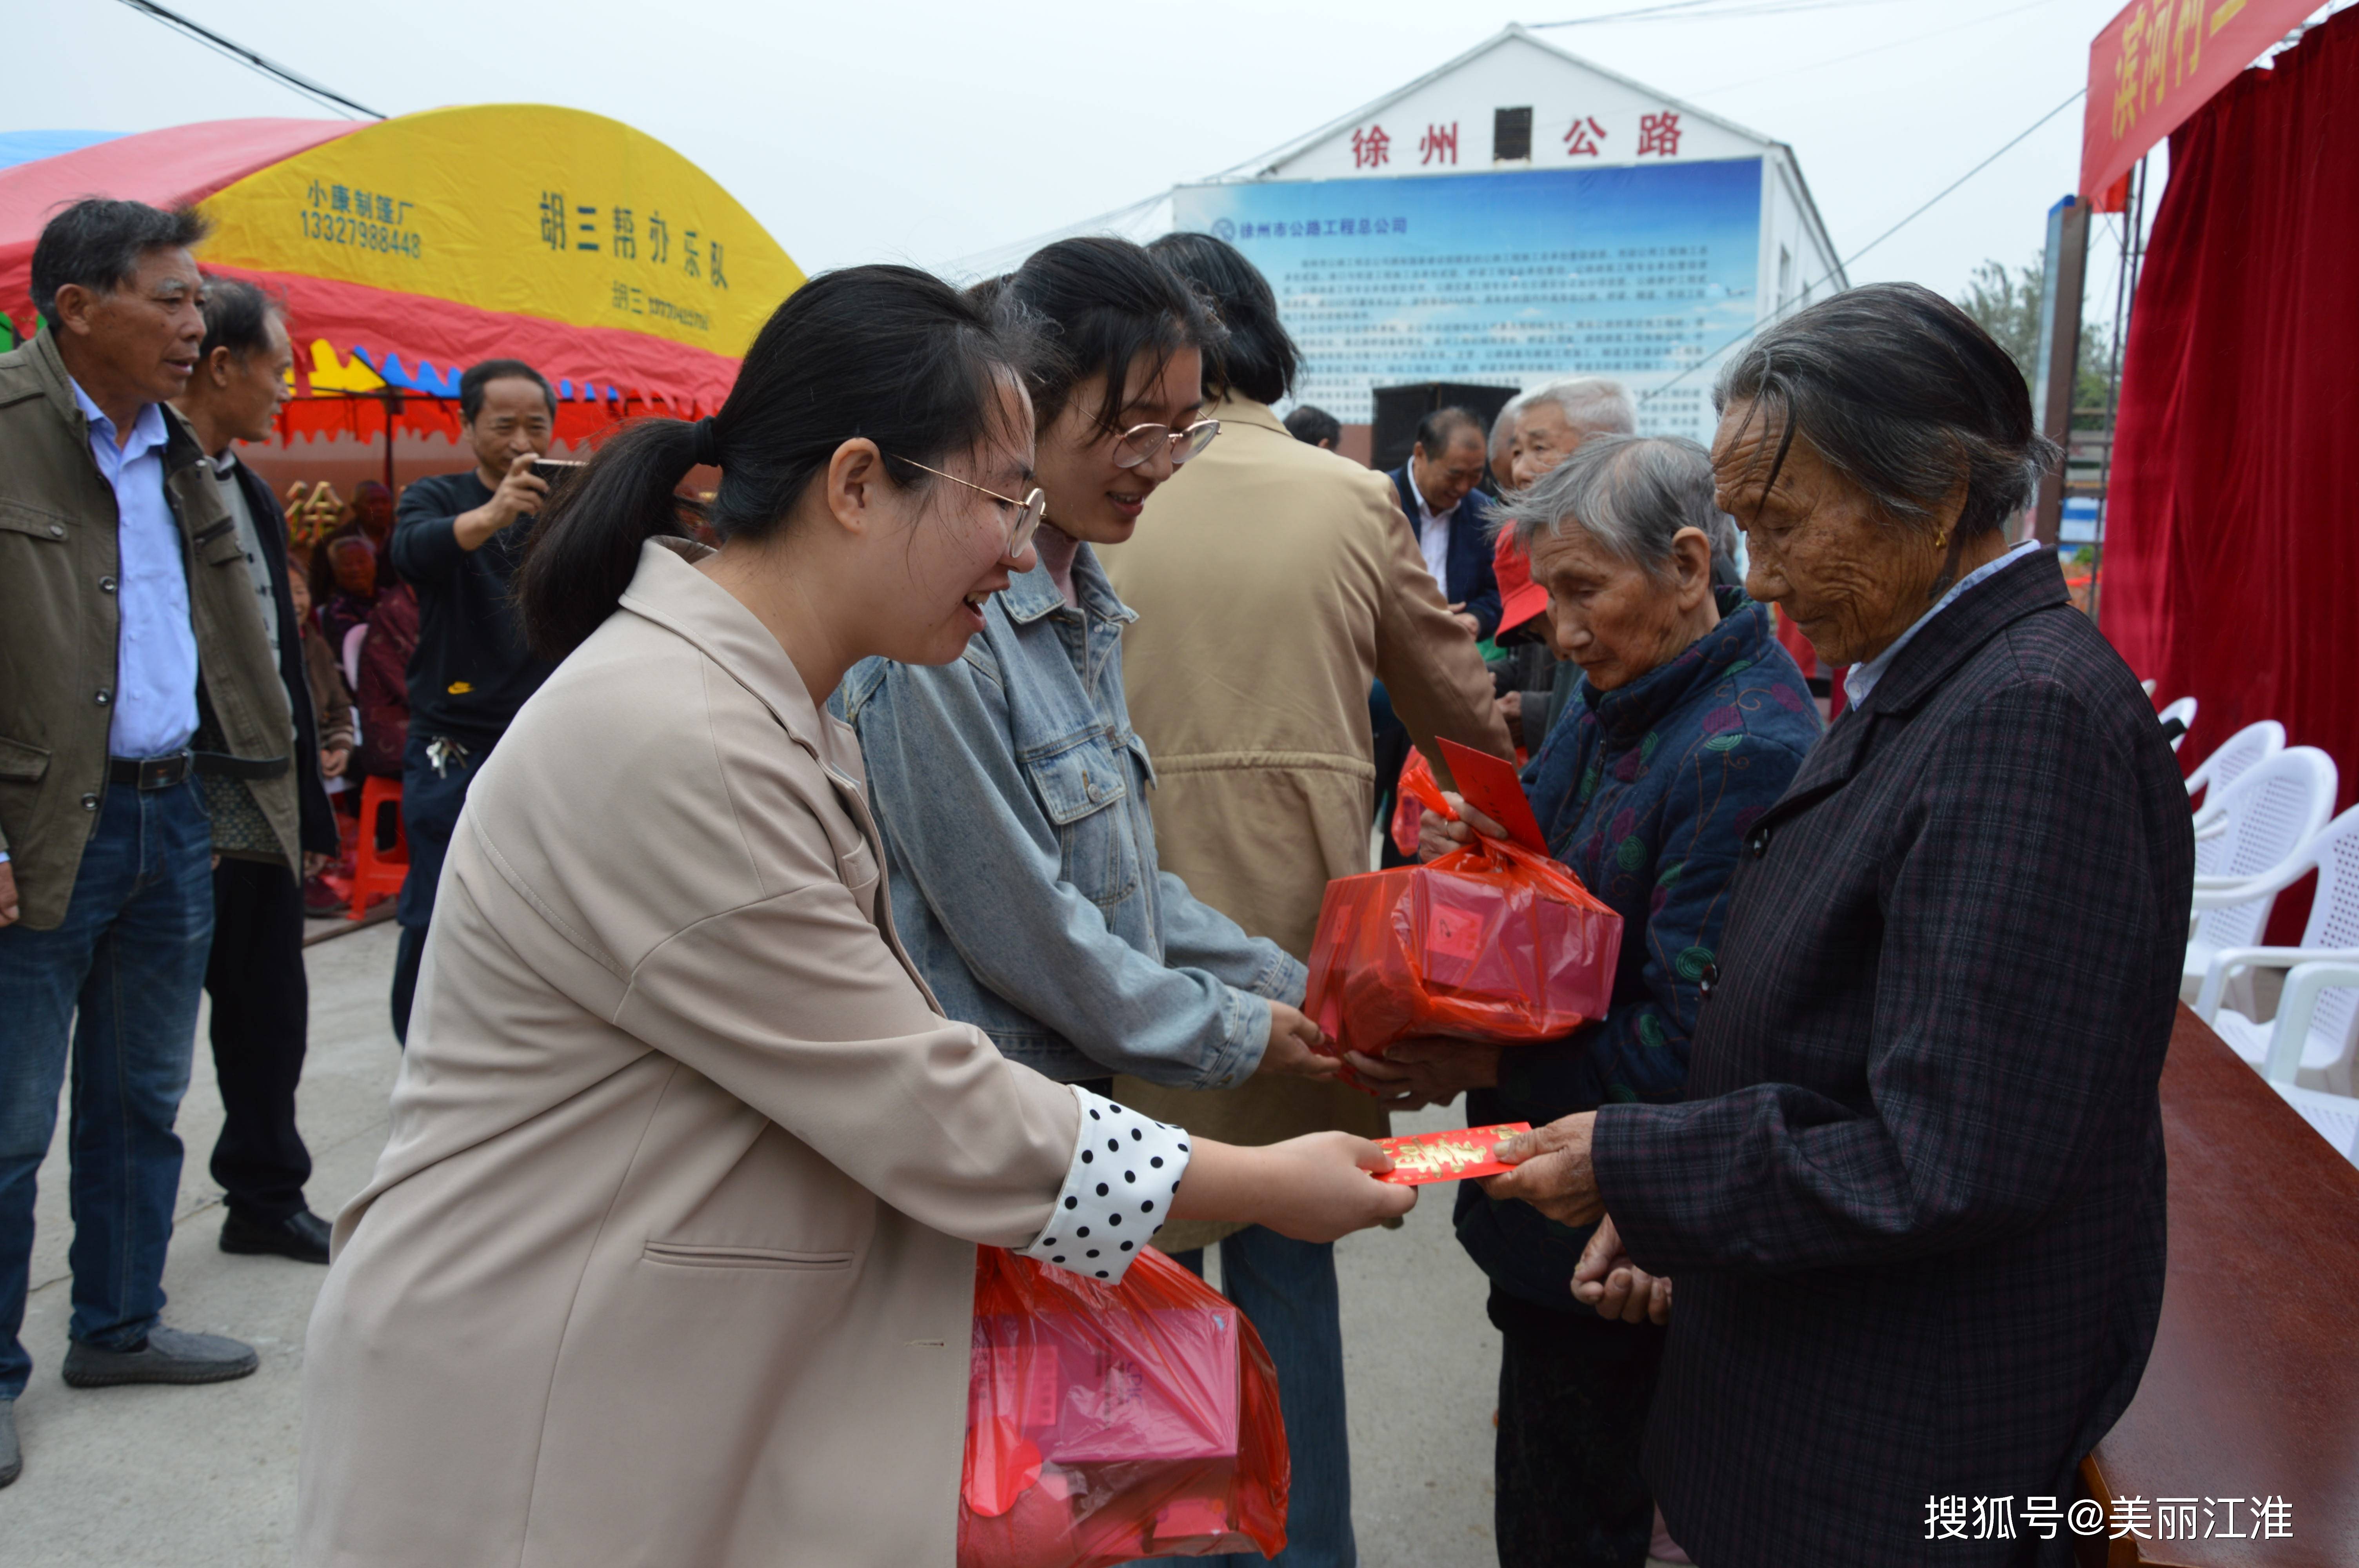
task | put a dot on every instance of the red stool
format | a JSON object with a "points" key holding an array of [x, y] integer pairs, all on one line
{"points": [[377, 873]]}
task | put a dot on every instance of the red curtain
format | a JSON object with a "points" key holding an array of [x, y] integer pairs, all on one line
{"points": [[2231, 538]]}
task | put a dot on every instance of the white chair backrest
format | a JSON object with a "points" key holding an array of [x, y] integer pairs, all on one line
{"points": [[2183, 710], [2335, 1116], [2268, 816], [353, 662], [2226, 765], [2334, 919]]}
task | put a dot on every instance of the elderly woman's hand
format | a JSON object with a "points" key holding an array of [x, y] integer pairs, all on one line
{"points": [[1607, 1279], [1552, 1171], [1428, 1071], [1436, 835]]}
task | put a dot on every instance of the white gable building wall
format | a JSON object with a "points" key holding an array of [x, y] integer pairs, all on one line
{"points": [[1520, 215]]}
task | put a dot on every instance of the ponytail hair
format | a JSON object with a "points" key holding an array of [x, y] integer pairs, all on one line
{"points": [[887, 352]]}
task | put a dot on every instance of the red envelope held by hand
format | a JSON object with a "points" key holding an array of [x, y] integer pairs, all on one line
{"points": [[1451, 1156], [1489, 785]]}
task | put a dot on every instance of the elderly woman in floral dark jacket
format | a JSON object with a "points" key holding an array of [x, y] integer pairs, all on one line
{"points": [[1689, 722]]}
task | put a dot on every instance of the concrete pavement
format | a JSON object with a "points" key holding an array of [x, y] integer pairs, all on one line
{"points": [[204, 1478]]}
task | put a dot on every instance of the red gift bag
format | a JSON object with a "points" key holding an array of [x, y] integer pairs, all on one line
{"points": [[1492, 942], [1110, 1423], [1416, 793]]}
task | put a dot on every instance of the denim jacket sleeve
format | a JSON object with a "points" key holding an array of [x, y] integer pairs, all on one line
{"points": [[1198, 936], [962, 823]]}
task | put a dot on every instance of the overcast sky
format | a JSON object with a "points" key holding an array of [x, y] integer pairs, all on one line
{"points": [[929, 130]]}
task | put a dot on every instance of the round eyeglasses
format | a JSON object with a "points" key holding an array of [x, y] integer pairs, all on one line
{"points": [[1022, 526], [1140, 442]]}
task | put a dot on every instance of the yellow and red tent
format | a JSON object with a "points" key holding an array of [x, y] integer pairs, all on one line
{"points": [[409, 248]]}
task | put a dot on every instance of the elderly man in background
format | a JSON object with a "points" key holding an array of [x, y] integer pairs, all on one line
{"points": [[1251, 693], [1451, 521], [129, 627], [261, 1014], [1314, 426], [1502, 444], [1532, 436], [1452, 518]]}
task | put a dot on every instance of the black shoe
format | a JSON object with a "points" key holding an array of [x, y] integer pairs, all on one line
{"points": [[12, 1458], [169, 1355], [302, 1236], [319, 900]]}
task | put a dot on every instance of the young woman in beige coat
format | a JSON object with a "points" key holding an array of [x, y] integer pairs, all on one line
{"points": [[670, 1258]]}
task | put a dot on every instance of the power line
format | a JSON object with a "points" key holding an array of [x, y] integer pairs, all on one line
{"points": [[1691, 11], [1784, 305], [250, 60]]}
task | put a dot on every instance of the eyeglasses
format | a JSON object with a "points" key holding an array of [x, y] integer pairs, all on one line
{"points": [[1138, 443], [1028, 511]]}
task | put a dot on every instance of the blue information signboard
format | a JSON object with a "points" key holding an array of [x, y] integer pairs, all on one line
{"points": [[1511, 279]]}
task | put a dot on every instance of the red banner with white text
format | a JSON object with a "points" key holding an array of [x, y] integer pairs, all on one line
{"points": [[2157, 63]]}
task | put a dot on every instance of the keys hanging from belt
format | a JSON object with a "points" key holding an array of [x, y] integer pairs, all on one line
{"points": [[443, 752]]}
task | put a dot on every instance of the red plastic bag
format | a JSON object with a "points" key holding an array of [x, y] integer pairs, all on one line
{"points": [[1111, 1423], [1492, 942], [1416, 793]]}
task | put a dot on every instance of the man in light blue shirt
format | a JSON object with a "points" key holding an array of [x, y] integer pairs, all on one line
{"points": [[135, 648], [156, 647]]}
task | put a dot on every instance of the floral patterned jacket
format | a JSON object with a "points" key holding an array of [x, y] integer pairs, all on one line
{"points": [[1645, 791]]}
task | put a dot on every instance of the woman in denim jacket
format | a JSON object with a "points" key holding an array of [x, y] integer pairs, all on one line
{"points": [[1010, 786]]}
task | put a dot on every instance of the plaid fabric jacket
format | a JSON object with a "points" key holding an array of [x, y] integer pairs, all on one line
{"points": [[1915, 1201]]}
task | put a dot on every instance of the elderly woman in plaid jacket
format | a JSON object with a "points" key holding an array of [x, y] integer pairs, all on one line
{"points": [[1914, 1200]]}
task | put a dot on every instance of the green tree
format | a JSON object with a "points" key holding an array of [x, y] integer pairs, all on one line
{"points": [[2006, 302]]}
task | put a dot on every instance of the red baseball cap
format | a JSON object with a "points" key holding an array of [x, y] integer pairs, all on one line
{"points": [[1520, 597]]}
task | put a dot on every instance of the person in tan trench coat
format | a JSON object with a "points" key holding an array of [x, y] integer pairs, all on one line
{"points": [[669, 1257]]}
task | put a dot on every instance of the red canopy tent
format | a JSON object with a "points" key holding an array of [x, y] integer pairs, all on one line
{"points": [[593, 251]]}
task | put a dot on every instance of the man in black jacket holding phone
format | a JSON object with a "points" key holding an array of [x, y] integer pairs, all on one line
{"points": [[457, 539]]}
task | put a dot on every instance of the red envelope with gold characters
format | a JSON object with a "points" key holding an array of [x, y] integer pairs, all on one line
{"points": [[1451, 1156]]}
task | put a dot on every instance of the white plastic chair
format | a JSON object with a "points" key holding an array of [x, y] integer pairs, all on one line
{"points": [[2317, 1026], [353, 664], [2183, 710], [2243, 856], [2231, 760], [2335, 1118]]}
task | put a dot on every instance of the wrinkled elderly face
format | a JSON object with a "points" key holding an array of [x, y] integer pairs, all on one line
{"points": [[1614, 619], [1544, 438], [1820, 550]]}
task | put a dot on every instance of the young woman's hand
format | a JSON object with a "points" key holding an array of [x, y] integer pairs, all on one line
{"points": [[1312, 1188], [1294, 1043]]}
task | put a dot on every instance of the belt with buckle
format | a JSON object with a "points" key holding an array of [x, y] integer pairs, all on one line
{"points": [[148, 773]]}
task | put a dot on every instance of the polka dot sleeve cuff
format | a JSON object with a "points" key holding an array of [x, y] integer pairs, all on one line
{"points": [[1119, 1193]]}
